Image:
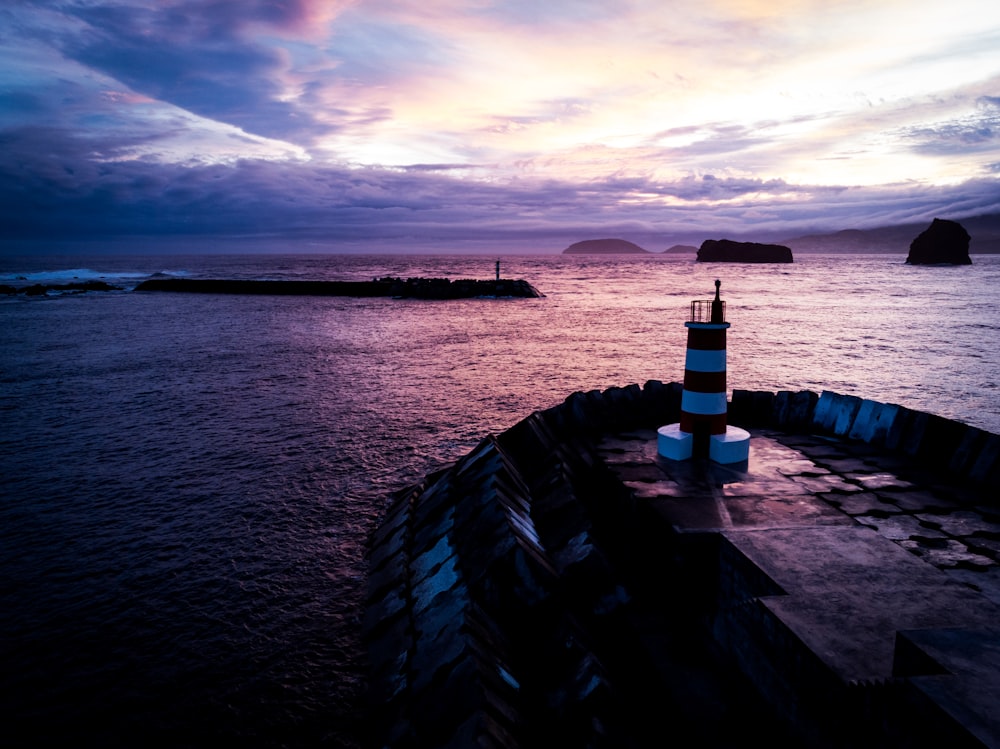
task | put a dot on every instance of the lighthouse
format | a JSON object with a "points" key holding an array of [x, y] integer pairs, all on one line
{"points": [[702, 431]]}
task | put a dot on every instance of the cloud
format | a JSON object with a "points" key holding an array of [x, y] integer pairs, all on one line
{"points": [[187, 58], [475, 118], [52, 187]]}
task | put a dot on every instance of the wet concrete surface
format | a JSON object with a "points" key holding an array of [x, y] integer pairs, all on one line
{"points": [[869, 559]]}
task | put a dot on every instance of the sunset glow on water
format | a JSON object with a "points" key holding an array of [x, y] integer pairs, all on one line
{"points": [[190, 479]]}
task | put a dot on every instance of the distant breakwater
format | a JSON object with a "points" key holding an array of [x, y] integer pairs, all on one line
{"points": [[410, 288]]}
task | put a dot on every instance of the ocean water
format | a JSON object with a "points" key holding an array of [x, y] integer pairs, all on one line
{"points": [[188, 481]]}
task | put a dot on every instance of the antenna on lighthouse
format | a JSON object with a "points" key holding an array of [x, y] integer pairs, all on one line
{"points": [[718, 306]]}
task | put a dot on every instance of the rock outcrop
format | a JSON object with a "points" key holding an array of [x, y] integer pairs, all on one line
{"points": [[604, 247], [943, 242], [728, 251]]}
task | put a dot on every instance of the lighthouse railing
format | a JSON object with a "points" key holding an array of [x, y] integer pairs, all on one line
{"points": [[701, 311]]}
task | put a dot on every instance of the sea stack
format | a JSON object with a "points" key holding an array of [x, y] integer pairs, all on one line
{"points": [[702, 431], [728, 251], [942, 243]]}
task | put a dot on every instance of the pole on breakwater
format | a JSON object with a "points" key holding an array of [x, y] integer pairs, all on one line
{"points": [[702, 431]]}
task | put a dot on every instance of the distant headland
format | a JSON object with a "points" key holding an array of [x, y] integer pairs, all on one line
{"points": [[604, 247], [712, 250], [983, 231]]}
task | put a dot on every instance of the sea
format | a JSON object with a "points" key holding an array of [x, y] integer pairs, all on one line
{"points": [[188, 481]]}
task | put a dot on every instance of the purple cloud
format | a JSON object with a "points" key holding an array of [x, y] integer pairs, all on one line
{"points": [[195, 56], [52, 187]]}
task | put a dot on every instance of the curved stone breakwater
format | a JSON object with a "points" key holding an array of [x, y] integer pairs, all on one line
{"points": [[410, 288], [562, 585]]}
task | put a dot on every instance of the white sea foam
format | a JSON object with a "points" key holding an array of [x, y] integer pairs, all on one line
{"points": [[125, 278]]}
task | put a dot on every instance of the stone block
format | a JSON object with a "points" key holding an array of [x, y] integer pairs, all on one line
{"points": [[434, 569], [913, 433], [941, 438], [436, 655], [780, 408], [390, 572], [427, 535], [435, 615], [434, 504], [389, 543], [986, 469], [576, 411], [622, 407], [659, 403], [387, 656], [884, 418], [967, 450], [873, 422], [845, 412], [751, 408], [822, 418], [801, 411], [860, 429], [835, 412], [793, 411], [741, 408], [381, 611], [396, 517], [529, 444], [899, 429], [763, 404]]}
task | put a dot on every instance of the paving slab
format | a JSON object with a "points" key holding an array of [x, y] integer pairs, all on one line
{"points": [[986, 546], [781, 511], [946, 552], [878, 480], [960, 523], [899, 527], [917, 500], [849, 592], [865, 503]]}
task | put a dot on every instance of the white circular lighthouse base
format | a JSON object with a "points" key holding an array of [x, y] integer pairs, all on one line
{"points": [[672, 443], [731, 447]]}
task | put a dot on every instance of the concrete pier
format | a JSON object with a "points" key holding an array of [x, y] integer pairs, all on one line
{"points": [[564, 585]]}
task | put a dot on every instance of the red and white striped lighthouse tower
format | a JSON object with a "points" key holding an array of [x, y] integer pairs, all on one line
{"points": [[703, 431]]}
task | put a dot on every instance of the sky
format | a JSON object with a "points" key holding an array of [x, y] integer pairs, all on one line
{"points": [[343, 125]]}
